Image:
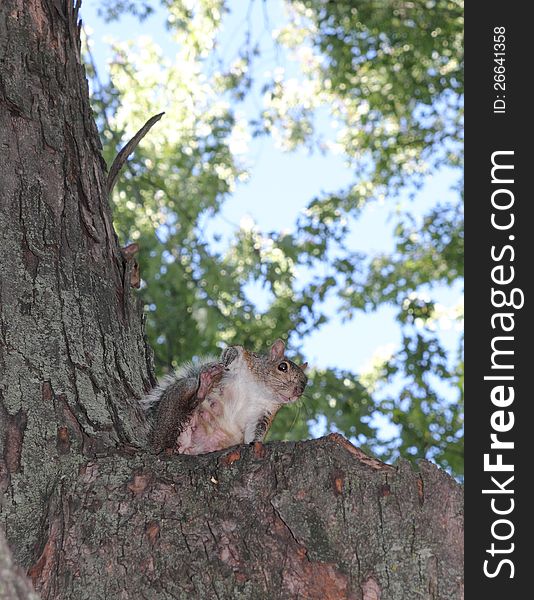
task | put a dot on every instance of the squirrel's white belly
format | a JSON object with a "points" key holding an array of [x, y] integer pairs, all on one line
{"points": [[219, 421]]}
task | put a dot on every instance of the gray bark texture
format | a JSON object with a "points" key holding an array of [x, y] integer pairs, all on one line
{"points": [[86, 511], [73, 357]]}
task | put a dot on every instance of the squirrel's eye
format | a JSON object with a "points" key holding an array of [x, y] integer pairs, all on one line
{"points": [[282, 366]]}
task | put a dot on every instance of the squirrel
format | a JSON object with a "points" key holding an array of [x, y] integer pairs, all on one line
{"points": [[219, 403]]}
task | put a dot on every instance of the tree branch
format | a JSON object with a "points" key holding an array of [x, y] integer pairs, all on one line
{"points": [[317, 520], [122, 156]]}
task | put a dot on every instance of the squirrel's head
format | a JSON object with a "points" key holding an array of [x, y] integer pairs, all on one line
{"points": [[284, 379]]}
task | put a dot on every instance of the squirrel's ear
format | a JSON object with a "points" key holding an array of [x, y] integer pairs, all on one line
{"points": [[277, 350], [304, 366], [229, 355]]}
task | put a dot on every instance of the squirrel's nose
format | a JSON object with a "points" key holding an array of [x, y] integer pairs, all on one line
{"points": [[299, 389]]}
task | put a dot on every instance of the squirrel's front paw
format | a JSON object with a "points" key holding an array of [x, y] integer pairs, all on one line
{"points": [[210, 376]]}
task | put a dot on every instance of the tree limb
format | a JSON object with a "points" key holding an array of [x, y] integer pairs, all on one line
{"points": [[122, 156], [317, 520]]}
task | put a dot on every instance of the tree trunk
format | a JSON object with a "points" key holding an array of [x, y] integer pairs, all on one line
{"points": [[86, 511], [316, 520], [72, 356]]}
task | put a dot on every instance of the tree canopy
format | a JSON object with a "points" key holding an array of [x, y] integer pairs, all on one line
{"points": [[390, 74]]}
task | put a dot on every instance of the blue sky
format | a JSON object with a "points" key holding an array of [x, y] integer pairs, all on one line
{"points": [[281, 185]]}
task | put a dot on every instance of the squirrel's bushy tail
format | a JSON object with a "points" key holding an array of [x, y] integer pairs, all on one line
{"points": [[185, 370]]}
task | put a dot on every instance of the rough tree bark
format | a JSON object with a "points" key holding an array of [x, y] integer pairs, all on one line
{"points": [[73, 357], [86, 511]]}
